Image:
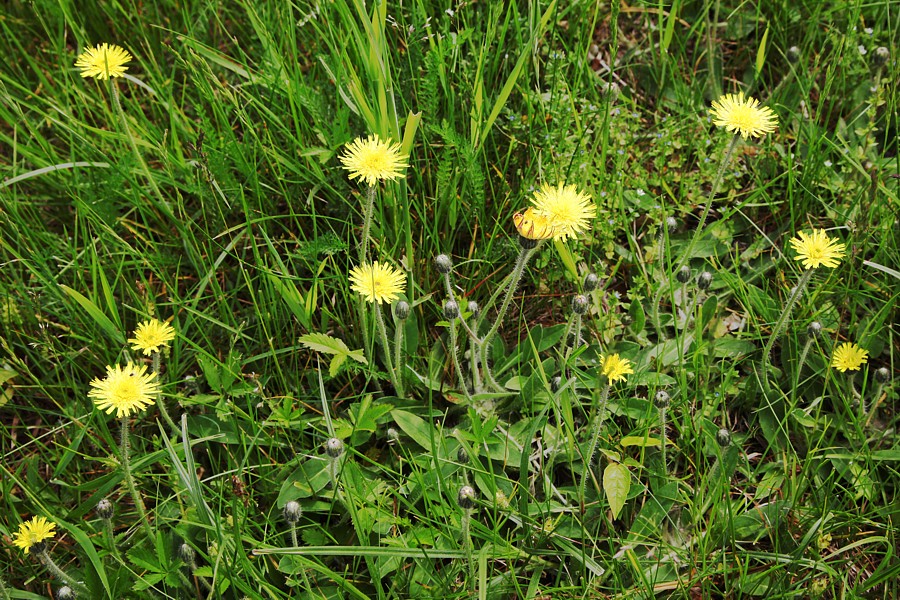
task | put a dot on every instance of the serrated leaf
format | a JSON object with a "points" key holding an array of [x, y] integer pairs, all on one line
{"points": [[336, 363], [326, 344], [616, 483]]}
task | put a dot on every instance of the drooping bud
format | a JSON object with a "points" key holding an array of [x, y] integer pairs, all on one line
{"points": [[334, 447], [661, 399], [451, 310], [883, 375], [292, 512], [793, 55], [684, 274], [105, 509], [580, 304], [814, 330], [401, 310], [704, 280], [466, 497], [187, 555], [443, 263], [723, 438], [591, 281]]}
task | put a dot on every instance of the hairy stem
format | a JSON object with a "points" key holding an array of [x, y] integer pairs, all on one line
{"points": [[125, 448]]}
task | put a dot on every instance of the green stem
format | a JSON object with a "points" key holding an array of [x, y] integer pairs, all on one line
{"points": [[129, 479], [467, 544], [515, 277], [294, 535], [398, 347], [454, 352], [382, 332], [452, 297], [473, 358], [595, 439], [160, 401], [368, 211], [661, 259], [111, 537], [720, 175], [803, 354], [662, 447], [783, 319], [51, 565], [134, 148]]}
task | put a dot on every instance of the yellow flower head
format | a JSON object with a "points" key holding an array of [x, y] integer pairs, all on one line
{"points": [[566, 211], [125, 391], [151, 335], [103, 61], [615, 368], [849, 357], [533, 225], [817, 249], [371, 159], [744, 116], [377, 282], [33, 532]]}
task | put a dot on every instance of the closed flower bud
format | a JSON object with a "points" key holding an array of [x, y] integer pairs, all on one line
{"points": [[443, 263], [591, 281], [334, 447], [187, 555], [393, 436], [292, 512], [466, 497], [793, 55], [704, 280], [883, 375], [671, 224], [65, 593], [401, 310], [474, 308], [814, 330], [451, 310], [555, 384], [684, 274], [661, 399], [580, 304], [105, 509], [881, 56], [462, 457], [723, 438]]}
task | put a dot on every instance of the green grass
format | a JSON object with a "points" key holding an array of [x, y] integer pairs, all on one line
{"points": [[219, 203]]}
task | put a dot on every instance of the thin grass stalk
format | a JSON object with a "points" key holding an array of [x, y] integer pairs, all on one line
{"points": [[783, 319], [382, 332], [125, 448]]}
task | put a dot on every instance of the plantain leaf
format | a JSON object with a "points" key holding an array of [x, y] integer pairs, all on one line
{"points": [[616, 483]]}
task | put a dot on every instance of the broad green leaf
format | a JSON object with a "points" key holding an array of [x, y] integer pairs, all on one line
{"points": [[638, 317], [415, 427], [616, 483], [639, 440]]}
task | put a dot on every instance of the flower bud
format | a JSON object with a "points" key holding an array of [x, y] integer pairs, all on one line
{"points": [[443, 263], [555, 384], [65, 593], [684, 274], [793, 55], [883, 375], [591, 281], [334, 447], [671, 224], [466, 497], [881, 56], [292, 512], [462, 457], [814, 330], [105, 509], [661, 399], [451, 310], [704, 280], [723, 438], [187, 555], [580, 304], [473, 308], [393, 436], [401, 310]]}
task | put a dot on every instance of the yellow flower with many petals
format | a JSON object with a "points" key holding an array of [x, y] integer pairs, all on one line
{"points": [[372, 159], [377, 282], [103, 61], [817, 249], [743, 115], [33, 532], [151, 335], [615, 368], [533, 225], [849, 357], [565, 210], [124, 391]]}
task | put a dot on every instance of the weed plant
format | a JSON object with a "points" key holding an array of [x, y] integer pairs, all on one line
{"points": [[430, 300]]}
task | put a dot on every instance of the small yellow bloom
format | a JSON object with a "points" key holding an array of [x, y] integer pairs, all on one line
{"points": [[103, 61], [151, 335], [533, 225], [377, 282], [566, 211], [744, 116], [372, 159], [615, 368], [125, 391], [817, 249], [849, 357], [32, 532]]}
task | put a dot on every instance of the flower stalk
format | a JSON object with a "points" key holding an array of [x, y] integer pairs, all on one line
{"points": [[783, 319], [125, 451], [57, 572]]}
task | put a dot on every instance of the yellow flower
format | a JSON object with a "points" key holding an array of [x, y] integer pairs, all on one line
{"points": [[615, 368], [817, 249], [150, 335], [533, 225], [849, 357], [377, 282], [567, 212], [371, 159], [125, 391], [103, 61], [745, 116], [33, 532]]}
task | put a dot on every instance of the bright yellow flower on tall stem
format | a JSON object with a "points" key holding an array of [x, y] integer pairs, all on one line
{"points": [[816, 249], [103, 61], [33, 532], [565, 210], [372, 160], [743, 115], [849, 357], [615, 368], [151, 335], [377, 282], [124, 391]]}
